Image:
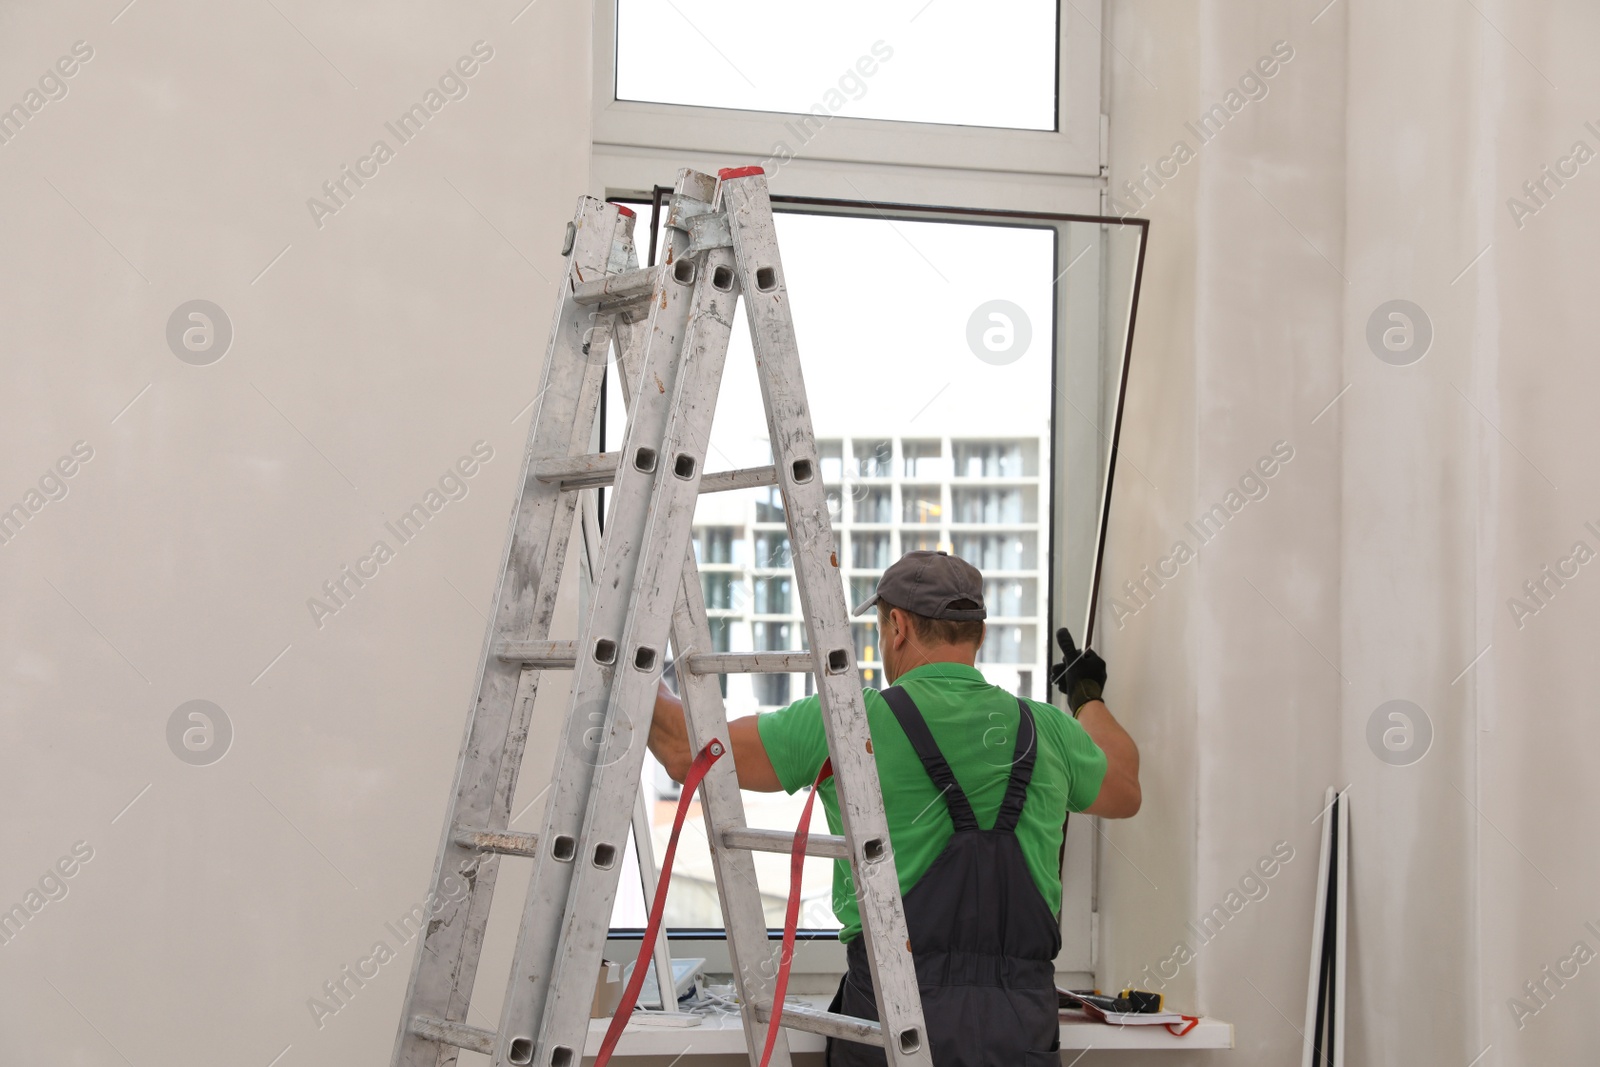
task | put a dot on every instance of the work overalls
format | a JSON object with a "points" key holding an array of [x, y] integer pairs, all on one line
{"points": [[983, 939]]}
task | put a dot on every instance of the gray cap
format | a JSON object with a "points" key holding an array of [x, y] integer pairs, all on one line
{"points": [[934, 585]]}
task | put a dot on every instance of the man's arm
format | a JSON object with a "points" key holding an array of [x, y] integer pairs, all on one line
{"points": [[1081, 676], [1119, 795], [669, 743]]}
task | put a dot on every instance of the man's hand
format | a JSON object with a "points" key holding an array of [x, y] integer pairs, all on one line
{"points": [[669, 742], [1081, 675]]}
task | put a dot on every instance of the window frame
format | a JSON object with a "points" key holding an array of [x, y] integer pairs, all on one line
{"points": [[1073, 148], [868, 167]]}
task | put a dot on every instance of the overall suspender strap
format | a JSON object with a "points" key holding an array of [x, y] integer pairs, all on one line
{"points": [[1021, 769], [933, 761]]}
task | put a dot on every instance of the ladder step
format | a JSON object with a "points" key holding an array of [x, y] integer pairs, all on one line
{"points": [[829, 846], [742, 478], [750, 663], [546, 655], [828, 1023], [503, 842], [471, 1038], [629, 286], [579, 472], [596, 469]]}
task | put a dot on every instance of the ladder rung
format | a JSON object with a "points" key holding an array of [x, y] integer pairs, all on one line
{"points": [[623, 288], [829, 846], [828, 1023], [750, 663], [579, 472], [504, 842], [471, 1038], [742, 478], [546, 655], [597, 469]]}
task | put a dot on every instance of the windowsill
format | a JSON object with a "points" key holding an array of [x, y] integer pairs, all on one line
{"points": [[724, 1035]]}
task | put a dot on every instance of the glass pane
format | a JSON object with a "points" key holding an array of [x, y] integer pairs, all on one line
{"points": [[894, 59], [771, 548], [872, 459], [831, 455], [869, 550], [996, 459], [923, 459], [946, 402], [920, 504], [872, 505]]}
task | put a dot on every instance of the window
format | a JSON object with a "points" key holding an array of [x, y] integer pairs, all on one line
{"points": [[997, 552], [772, 596], [992, 505], [872, 505], [923, 459], [718, 588], [866, 638], [869, 550], [1008, 644], [713, 544], [771, 548], [771, 636], [920, 504], [830, 455], [886, 67], [996, 459], [872, 459], [769, 505], [880, 429], [1009, 598], [862, 590]]}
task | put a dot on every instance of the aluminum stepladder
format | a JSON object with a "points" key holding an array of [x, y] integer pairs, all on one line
{"points": [[671, 324]]}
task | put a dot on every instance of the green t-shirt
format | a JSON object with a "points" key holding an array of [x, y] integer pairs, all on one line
{"points": [[975, 726]]}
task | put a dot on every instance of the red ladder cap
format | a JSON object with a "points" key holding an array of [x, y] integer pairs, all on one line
{"points": [[737, 172]]}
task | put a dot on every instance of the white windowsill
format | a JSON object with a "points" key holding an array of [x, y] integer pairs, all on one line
{"points": [[723, 1035]]}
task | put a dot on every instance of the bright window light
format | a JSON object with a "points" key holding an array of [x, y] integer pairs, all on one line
{"points": [[927, 351], [951, 62]]}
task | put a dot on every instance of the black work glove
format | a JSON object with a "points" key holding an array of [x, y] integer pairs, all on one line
{"points": [[1081, 676]]}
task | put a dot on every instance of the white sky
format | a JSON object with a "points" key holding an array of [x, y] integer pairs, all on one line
{"points": [[950, 61], [881, 311]]}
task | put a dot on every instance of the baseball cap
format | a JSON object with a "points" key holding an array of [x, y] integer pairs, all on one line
{"points": [[935, 585]]}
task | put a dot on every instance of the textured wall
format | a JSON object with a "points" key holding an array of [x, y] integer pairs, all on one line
{"points": [[375, 342], [1378, 164]]}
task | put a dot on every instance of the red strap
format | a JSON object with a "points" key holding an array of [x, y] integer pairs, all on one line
{"points": [[630, 996], [1189, 1023], [791, 916]]}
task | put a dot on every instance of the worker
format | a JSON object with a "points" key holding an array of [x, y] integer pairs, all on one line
{"points": [[977, 785]]}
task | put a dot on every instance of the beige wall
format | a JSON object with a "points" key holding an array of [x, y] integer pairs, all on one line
{"points": [[1382, 561], [364, 363]]}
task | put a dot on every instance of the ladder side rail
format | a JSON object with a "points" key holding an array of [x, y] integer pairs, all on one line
{"points": [[752, 955], [603, 660], [817, 574], [445, 962], [685, 404]]}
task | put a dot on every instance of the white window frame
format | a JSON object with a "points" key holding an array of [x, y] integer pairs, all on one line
{"points": [[637, 146], [1073, 148]]}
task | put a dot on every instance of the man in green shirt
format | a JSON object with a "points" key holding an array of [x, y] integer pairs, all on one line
{"points": [[976, 785]]}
